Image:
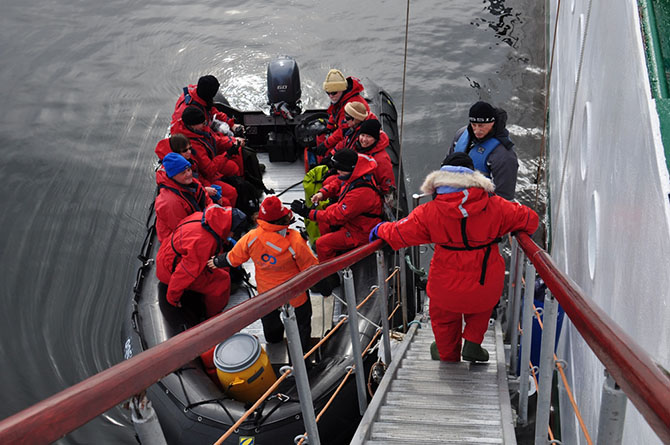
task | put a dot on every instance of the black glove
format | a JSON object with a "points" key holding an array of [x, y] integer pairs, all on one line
{"points": [[300, 208], [233, 150], [221, 261], [320, 149]]}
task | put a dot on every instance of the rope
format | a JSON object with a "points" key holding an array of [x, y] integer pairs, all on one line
{"points": [[402, 103], [573, 402], [339, 387], [574, 104], [260, 400], [543, 142]]}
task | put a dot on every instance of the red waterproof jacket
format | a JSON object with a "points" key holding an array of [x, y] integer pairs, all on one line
{"points": [[184, 255], [175, 202], [194, 100], [207, 153], [359, 206], [384, 171], [279, 254], [336, 111], [462, 280]]}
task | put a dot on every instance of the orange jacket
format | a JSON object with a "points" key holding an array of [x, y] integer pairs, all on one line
{"points": [[278, 253]]}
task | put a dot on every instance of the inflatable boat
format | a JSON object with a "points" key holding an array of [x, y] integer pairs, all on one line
{"points": [[191, 407]]}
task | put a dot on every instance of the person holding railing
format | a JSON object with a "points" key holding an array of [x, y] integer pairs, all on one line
{"points": [[466, 222]]}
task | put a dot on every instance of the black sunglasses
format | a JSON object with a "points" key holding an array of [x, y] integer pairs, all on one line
{"points": [[332, 93], [348, 118]]}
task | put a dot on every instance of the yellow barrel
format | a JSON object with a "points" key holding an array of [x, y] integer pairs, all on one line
{"points": [[243, 367]]}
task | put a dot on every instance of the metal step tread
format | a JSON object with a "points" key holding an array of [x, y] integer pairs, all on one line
{"points": [[429, 401]]}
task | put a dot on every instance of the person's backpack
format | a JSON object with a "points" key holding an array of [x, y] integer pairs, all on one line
{"points": [[253, 172]]}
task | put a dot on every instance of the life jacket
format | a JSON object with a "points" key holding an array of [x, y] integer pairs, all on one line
{"points": [[479, 153], [197, 202], [467, 246], [207, 141], [188, 100], [368, 181], [312, 183], [219, 241]]}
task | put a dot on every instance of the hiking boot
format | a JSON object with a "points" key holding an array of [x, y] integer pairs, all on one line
{"points": [[472, 352], [433, 351]]}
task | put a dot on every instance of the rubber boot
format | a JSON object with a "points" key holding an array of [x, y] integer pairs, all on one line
{"points": [[433, 351], [472, 352]]}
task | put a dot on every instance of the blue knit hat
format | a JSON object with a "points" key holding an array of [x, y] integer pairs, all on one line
{"points": [[174, 163]]}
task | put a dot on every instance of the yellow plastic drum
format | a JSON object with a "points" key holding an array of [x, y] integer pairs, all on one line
{"points": [[243, 367]]}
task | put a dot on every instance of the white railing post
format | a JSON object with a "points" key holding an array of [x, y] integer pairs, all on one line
{"points": [[514, 316], [300, 373], [549, 319], [350, 295], [612, 413], [513, 266], [383, 304], [527, 335]]}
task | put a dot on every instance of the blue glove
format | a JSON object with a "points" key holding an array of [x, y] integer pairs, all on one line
{"points": [[216, 197], [373, 232], [232, 241]]}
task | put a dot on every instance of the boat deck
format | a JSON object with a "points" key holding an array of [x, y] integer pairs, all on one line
{"points": [[425, 401]]}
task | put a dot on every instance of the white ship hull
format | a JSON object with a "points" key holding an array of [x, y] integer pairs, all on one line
{"points": [[608, 189]]}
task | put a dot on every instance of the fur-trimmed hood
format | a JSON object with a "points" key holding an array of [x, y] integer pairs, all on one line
{"points": [[457, 178]]}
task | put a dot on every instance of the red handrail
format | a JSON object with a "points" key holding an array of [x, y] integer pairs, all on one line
{"points": [[630, 366], [52, 418]]}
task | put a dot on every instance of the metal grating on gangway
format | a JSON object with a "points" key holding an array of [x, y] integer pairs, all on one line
{"points": [[425, 401]]}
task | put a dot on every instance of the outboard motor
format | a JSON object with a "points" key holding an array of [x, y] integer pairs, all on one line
{"points": [[284, 87]]}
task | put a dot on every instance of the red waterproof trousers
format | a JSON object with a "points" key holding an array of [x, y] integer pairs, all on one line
{"points": [[449, 330]]}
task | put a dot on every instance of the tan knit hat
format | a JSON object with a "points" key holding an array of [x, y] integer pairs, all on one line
{"points": [[356, 110], [335, 81]]}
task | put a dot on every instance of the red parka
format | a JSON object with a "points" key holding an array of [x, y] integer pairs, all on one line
{"points": [[182, 258], [359, 206], [194, 100], [208, 154], [384, 172], [336, 111], [461, 280], [175, 202]]}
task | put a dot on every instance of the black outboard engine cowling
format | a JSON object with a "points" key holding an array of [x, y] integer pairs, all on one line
{"points": [[284, 87]]}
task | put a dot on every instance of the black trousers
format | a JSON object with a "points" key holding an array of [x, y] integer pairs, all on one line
{"points": [[273, 328]]}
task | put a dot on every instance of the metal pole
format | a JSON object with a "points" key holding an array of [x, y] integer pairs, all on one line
{"points": [[145, 421], [403, 289], [300, 373], [510, 286], [549, 318], [527, 325], [516, 306], [416, 259], [383, 304], [350, 295], [612, 413]]}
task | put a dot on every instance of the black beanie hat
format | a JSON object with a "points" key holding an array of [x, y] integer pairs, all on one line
{"points": [[193, 116], [207, 88], [370, 127], [345, 160], [482, 113], [459, 159]]}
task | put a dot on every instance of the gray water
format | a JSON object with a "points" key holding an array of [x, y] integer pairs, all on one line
{"points": [[89, 87]]}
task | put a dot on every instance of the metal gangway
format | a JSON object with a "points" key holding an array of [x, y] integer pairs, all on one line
{"points": [[429, 401], [434, 402]]}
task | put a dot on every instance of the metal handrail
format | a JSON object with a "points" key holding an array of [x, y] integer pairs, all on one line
{"points": [[52, 418], [631, 367]]}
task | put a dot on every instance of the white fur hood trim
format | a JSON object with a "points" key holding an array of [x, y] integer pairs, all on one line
{"points": [[459, 180]]}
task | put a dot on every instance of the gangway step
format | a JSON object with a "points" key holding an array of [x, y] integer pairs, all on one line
{"points": [[427, 401]]}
